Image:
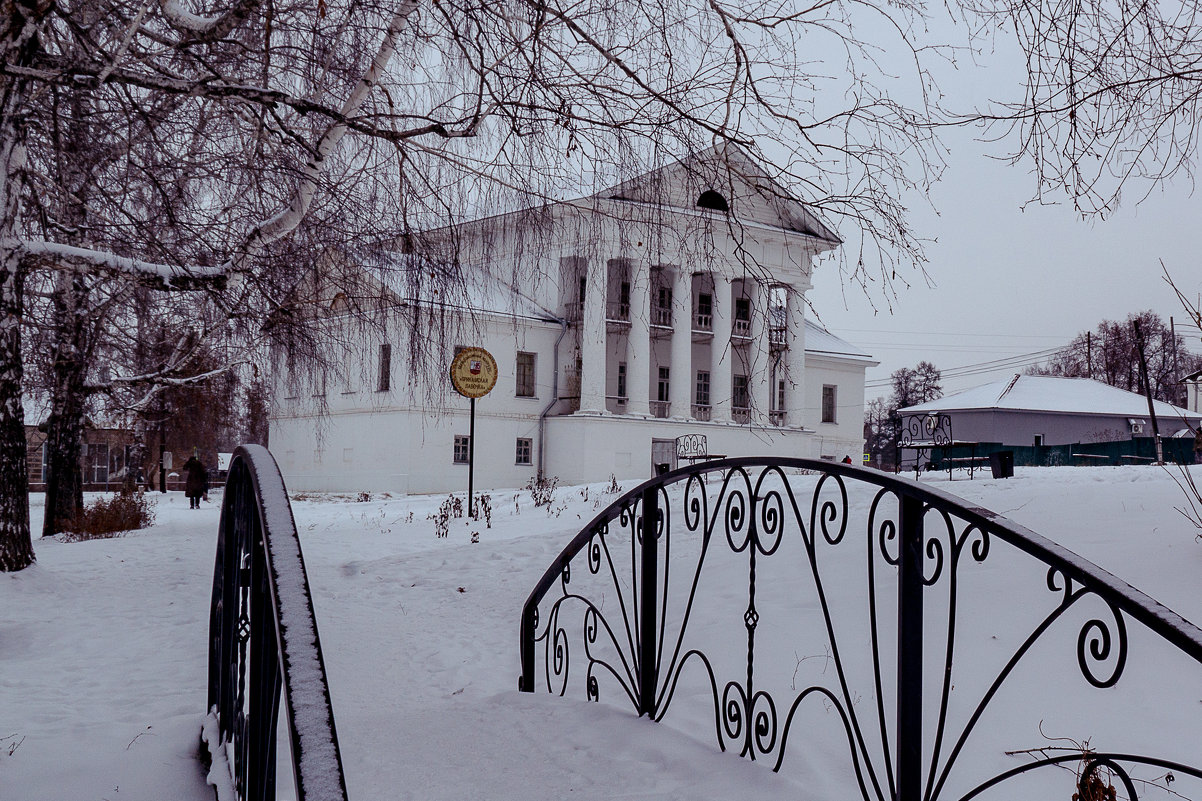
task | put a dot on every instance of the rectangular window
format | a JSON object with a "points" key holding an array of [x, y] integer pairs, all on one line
{"points": [[663, 385], [98, 460], [739, 397], [525, 375], [743, 309], [624, 301], [705, 304], [622, 380], [780, 395], [703, 388], [1039, 440], [45, 463], [829, 403], [463, 448], [665, 297], [385, 382], [525, 447]]}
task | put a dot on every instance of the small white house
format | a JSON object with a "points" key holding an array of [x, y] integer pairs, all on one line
{"points": [[669, 305], [1053, 410]]}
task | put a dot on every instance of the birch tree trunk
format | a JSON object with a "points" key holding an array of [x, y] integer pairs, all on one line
{"points": [[20, 22], [65, 424]]}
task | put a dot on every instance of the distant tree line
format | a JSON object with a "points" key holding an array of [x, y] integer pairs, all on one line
{"points": [[1110, 354], [910, 386]]}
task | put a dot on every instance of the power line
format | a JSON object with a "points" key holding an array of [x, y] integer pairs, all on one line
{"points": [[1021, 360]]}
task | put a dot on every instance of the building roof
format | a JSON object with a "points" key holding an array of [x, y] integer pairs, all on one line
{"points": [[821, 341], [476, 290], [1052, 394]]}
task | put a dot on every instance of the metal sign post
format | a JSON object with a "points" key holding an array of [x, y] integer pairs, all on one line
{"points": [[471, 460], [473, 375]]}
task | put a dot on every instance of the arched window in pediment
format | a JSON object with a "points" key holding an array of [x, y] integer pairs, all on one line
{"points": [[710, 199]]}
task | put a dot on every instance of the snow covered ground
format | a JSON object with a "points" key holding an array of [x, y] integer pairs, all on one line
{"points": [[103, 652]]}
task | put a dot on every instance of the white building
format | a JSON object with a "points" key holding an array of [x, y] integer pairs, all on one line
{"points": [[668, 305]]}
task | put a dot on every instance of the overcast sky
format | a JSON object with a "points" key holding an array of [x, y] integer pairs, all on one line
{"points": [[1012, 277]]}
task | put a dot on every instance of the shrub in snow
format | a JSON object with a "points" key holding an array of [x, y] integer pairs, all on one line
{"points": [[109, 517], [484, 507], [542, 489]]}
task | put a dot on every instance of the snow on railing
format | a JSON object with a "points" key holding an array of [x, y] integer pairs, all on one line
{"points": [[263, 644], [924, 655]]}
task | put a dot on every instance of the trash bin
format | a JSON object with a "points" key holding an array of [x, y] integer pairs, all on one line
{"points": [[662, 467], [1002, 464]]}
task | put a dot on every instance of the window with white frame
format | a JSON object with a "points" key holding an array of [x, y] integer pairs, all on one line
{"points": [[829, 403], [463, 448], [743, 309], [663, 384], [740, 398], [622, 382], [98, 461], [703, 388], [525, 450], [525, 375]]}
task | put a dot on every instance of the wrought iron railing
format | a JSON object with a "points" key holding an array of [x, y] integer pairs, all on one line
{"points": [[939, 704], [263, 645]]}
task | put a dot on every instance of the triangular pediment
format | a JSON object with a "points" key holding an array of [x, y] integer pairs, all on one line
{"points": [[723, 180]]}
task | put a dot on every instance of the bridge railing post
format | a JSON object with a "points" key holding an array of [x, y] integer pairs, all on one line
{"points": [[648, 589], [909, 651]]}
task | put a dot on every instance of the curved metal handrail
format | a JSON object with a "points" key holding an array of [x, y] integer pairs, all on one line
{"points": [[263, 643], [648, 666]]}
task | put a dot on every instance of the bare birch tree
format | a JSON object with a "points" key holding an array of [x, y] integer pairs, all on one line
{"points": [[222, 145], [1113, 95]]}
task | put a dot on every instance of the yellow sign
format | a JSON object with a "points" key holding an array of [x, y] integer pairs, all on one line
{"points": [[473, 372]]}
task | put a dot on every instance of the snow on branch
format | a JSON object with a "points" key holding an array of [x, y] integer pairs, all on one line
{"points": [[158, 276], [199, 28]]}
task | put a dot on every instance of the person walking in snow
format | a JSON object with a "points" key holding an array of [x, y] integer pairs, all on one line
{"points": [[196, 482]]}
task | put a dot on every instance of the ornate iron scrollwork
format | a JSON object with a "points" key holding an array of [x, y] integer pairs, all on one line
{"points": [[918, 542]]}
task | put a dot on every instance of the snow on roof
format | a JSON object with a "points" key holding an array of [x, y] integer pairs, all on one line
{"points": [[819, 340], [473, 289], [1045, 393]]}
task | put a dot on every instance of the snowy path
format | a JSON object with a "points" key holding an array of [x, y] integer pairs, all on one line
{"points": [[102, 649]]}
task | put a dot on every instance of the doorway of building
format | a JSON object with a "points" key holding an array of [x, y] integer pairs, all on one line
{"points": [[663, 456]]}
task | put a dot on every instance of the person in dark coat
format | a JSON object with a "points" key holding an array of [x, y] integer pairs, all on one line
{"points": [[196, 482]]}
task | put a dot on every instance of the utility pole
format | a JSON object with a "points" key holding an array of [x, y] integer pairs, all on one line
{"points": [[1176, 370], [1089, 354], [1143, 369]]}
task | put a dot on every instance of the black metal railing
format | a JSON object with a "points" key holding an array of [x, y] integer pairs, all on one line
{"points": [[263, 645], [940, 704]]}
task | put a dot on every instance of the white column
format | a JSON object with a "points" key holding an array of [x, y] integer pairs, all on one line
{"points": [[638, 344], [680, 375], [795, 357], [592, 338], [721, 356], [760, 363]]}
